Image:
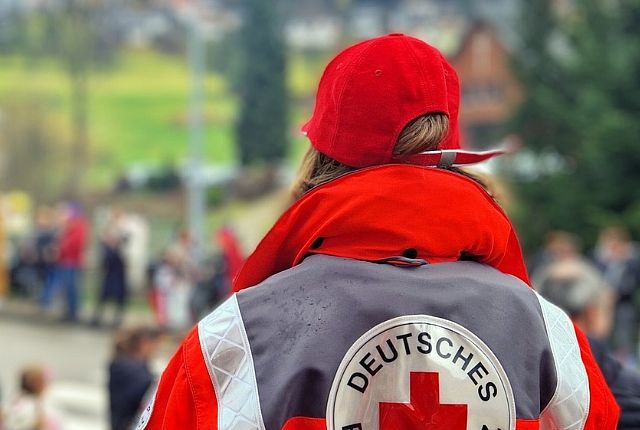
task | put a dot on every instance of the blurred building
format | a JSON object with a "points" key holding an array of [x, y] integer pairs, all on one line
{"points": [[474, 35], [489, 90]]}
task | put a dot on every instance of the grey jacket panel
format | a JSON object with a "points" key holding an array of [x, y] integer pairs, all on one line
{"points": [[301, 322]]}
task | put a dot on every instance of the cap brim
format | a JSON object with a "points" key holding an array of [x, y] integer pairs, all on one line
{"points": [[305, 127], [456, 157]]}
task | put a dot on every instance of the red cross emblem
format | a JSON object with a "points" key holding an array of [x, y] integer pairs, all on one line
{"points": [[424, 411]]}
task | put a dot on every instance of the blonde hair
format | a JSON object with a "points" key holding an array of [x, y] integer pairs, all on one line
{"points": [[422, 134]]}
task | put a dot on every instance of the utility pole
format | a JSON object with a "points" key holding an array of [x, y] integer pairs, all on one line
{"points": [[196, 206]]}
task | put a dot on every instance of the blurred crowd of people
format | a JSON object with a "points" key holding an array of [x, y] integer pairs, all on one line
{"points": [[49, 268], [614, 266], [601, 294], [49, 262], [182, 289], [600, 290], [49, 265]]}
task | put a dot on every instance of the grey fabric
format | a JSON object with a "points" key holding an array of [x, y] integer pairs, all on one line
{"points": [[447, 159], [301, 322]]}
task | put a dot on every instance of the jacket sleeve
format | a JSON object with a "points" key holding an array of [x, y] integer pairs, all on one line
{"points": [[185, 397], [603, 410]]}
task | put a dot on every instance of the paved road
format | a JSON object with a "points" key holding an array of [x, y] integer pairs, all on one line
{"points": [[77, 357]]}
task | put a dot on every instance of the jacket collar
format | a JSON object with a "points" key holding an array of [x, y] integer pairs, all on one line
{"points": [[376, 213]]}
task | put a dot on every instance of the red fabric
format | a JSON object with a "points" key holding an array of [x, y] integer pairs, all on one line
{"points": [[442, 215], [603, 408], [527, 424], [72, 243], [424, 410], [304, 423], [454, 137], [370, 91], [185, 398], [231, 251], [434, 158]]}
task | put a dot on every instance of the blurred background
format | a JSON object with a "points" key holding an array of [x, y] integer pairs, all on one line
{"points": [[147, 145]]}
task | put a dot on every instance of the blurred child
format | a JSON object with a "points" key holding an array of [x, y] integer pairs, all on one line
{"points": [[172, 287], [29, 410]]}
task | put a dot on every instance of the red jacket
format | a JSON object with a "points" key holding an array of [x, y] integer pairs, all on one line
{"points": [[72, 243], [265, 359]]}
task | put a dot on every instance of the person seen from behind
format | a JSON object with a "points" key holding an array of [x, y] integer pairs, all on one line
{"points": [[581, 291], [619, 260], [69, 263], [129, 375], [114, 271], [393, 293], [45, 243]]}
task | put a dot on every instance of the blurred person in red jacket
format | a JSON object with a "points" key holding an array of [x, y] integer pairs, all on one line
{"points": [[231, 252], [70, 246]]}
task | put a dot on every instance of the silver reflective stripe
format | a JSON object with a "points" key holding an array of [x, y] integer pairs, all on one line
{"points": [[447, 158], [145, 417], [227, 354], [569, 406]]}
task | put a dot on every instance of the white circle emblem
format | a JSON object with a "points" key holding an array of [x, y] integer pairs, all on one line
{"points": [[420, 372]]}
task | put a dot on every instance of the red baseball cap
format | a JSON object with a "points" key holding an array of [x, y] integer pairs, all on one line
{"points": [[369, 93]]}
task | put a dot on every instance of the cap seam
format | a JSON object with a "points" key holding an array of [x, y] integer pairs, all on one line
{"points": [[396, 133], [417, 63], [343, 90]]}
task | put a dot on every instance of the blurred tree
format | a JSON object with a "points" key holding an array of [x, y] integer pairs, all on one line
{"points": [[77, 34], [580, 69], [262, 125], [76, 42], [34, 153], [24, 34], [224, 57]]}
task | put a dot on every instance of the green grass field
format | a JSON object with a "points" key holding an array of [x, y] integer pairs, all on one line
{"points": [[138, 108]]}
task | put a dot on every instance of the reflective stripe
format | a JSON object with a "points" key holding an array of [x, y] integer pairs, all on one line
{"points": [[569, 406], [228, 358], [145, 417], [454, 157]]}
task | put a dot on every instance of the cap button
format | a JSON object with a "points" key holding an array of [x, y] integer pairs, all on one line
{"points": [[396, 34]]}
